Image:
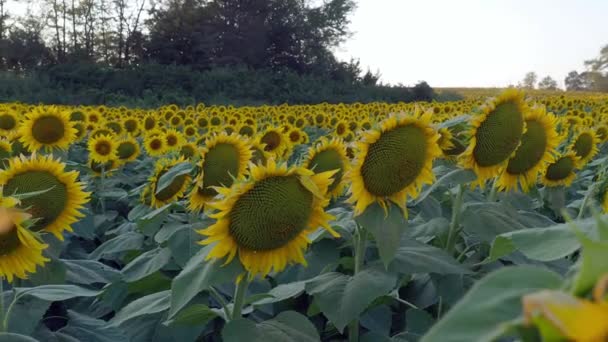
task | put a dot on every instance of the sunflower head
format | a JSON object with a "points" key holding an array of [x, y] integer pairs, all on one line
{"points": [[173, 191], [223, 160], [155, 145], [189, 151], [59, 196], [495, 135], [102, 148], [330, 155], [535, 153], [127, 149], [394, 161], [274, 142], [9, 121], [267, 218], [47, 127], [561, 171], [585, 147]]}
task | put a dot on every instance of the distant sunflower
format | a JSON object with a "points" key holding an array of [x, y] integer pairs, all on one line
{"points": [[247, 130], [189, 151], [61, 197], [102, 148], [6, 150], [107, 168], [131, 126], [173, 191], [495, 135], [267, 219], [259, 155], [127, 150], [535, 153], [275, 142], [585, 147], [445, 140], [561, 171], [173, 139], [224, 159], [341, 128], [393, 162], [330, 155], [190, 132], [9, 122], [20, 249], [155, 145], [47, 127]]}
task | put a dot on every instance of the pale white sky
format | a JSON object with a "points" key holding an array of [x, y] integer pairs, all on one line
{"points": [[470, 43], [475, 43]]}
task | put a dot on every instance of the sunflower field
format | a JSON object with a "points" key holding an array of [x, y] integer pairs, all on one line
{"points": [[476, 220]]}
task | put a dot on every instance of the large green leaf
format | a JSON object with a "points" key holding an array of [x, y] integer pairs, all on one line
{"points": [[288, 326], [417, 257], [197, 276], [593, 264], [146, 264], [385, 227], [85, 328], [10, 337], [56, 292], [25, 314], [150, 304], [87, 272], [121, 243], [488, 220], [452, 178], [493, 301], [195, 314], [174, 172], [282, 292], [342, 298]]}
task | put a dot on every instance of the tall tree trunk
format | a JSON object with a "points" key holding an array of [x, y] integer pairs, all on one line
{"points": [[74, 36]]}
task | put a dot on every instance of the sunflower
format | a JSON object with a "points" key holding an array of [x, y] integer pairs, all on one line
{"points": [[189, 151], [106, 169], [534, 154], [561, 171], [223, 160], [150, 122], [61, 196], [127, 150], [267, 218], [247, 130], [9, 122], [585, 147], [275, 142], [330, 155], [495, 135], [190, 132], [102, 148], [20, 249], [173, 191], [6, 150], [131, 126], [393, 162], [341, 128], [155, 145], [259, 154], [47, 127], [445, 140]]}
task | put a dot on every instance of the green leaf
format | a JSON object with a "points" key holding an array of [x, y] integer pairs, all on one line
{"points": [[10, 337], [87, 272], [282, 292], [113, 194], [488, 220], [288, 326], [150, 304], [85, 328], [386, 229], [174, 172], [195, 314], [25, 314], [593, 264], [197, 276], [418, 322], [56, 292], [121, 243], [493, 301], [342, 298], [146, 264], [417, 257], [452, 178]]}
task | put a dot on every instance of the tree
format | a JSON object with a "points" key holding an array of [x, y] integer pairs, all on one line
{"points": [[529, 80], [574, 81], [547, 83]]}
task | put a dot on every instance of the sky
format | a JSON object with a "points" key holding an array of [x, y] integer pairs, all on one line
{"points": [[475, 43]]}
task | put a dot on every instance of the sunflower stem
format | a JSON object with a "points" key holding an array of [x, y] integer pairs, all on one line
{"points": [[590, 192], [454, 223], [2, 303], [102, 199], [220, 299], [493, 191], [239, 297], [359, 251], [8, 312]]}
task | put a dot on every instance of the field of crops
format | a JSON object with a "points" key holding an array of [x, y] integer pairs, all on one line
{"points": [[457, 221]]}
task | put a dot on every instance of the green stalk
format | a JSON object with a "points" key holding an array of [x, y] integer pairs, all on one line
{"points": [[220, 299], [590, 192], [239, 297], [454, 223], [2, 303], [359, 251], [493, 191], [102, 188], [8, 313]]}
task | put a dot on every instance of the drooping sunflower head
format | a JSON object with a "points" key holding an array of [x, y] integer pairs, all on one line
{"points": [[172, 192], [189, 151], [127, 150], [330, 155], [20, 249], [561, 171], [536, 152], [103, 148], [47, 127], [266, 219], [150, 122], [59, 196], [131, 126], [393, 162], [275, 142], [224, 159], [585, 147], [495, 135], [445, 140]]}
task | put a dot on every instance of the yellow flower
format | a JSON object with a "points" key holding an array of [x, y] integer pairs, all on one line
{"points": [[173, 191], [561, 172], [48, 127], [330, 155], [102, 148], [585, 147], [394, 162], [266, 219]]}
